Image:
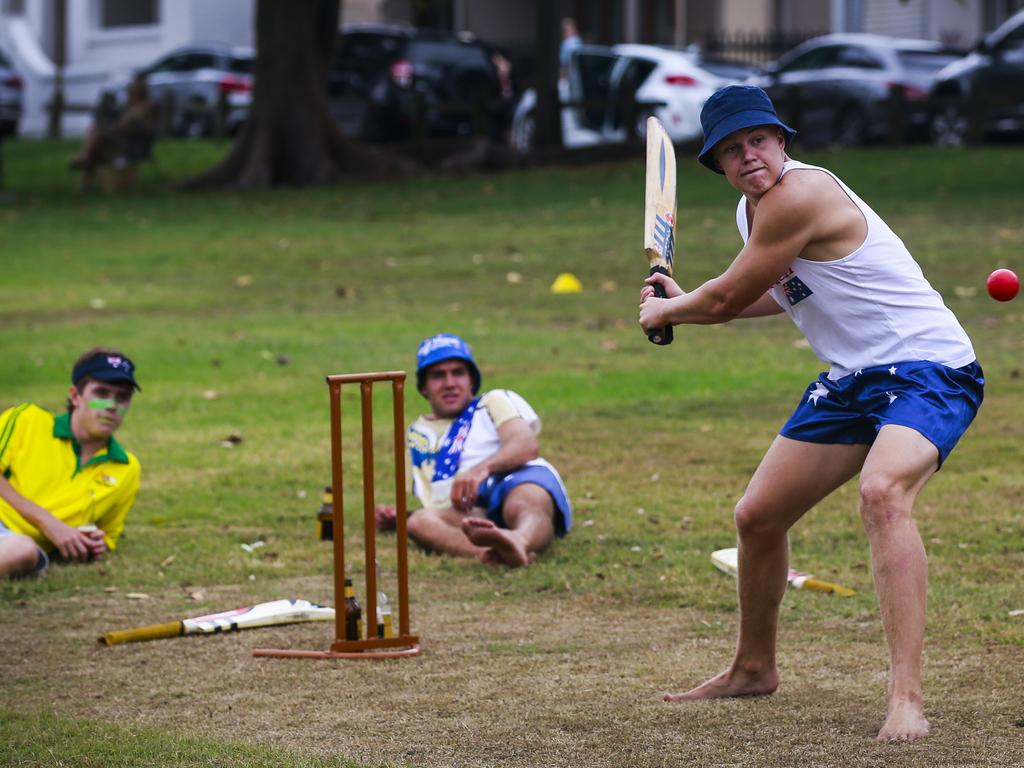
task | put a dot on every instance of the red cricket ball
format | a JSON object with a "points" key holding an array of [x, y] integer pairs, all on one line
{"points": [[1002, 285]]}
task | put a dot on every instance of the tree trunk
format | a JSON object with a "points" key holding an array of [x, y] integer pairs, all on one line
{"points": [[290, 138]]}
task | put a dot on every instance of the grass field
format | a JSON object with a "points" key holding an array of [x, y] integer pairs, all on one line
{"points": [[235, 306]]}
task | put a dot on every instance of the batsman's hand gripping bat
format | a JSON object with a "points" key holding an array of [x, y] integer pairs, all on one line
{"points": [[727, 561], [660, 212], [259, 615]]}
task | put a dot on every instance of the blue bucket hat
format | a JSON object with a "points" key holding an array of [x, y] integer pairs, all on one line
{"points": [[444, 346], [735, 108]]}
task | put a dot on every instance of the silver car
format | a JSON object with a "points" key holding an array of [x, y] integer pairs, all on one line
{"points": [[11, 87], [203, 89], [853, 88]]}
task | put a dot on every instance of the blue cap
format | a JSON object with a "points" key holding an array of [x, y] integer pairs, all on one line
{"points": [[444, 346], [735, 108], [106, 367]]}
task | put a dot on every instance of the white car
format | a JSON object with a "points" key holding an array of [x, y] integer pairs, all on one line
{"points": [[197, 85], [610, 91]]}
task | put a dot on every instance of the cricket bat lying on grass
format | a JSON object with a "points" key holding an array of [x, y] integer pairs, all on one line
{"points": [[727, 561], [259, 615]]}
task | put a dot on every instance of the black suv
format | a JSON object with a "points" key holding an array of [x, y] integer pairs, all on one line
{"points": [[983, 93], [395, 82]]}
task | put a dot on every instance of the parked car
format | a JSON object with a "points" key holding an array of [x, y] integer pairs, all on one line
{"points": [[197, 86], [10, 97], [609, 92], [990, 79], [392, 82], [852, 88]]}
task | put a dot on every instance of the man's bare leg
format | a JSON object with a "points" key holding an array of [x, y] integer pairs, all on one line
{"points": [[528, 512], [899, 464], [18, 555], [793, 476], [440, 530]]}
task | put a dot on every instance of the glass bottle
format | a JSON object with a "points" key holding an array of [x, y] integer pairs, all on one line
{"points": [[325, 517], [353, 613]]}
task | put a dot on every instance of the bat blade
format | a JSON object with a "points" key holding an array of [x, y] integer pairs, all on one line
{"points": [[259, 615], [727, 561], [660, 212]]}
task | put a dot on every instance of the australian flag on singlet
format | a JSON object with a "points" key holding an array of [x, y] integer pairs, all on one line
{"points": [[796, 290]]}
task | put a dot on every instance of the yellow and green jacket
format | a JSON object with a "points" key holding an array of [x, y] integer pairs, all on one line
{"points": [[39, 456]]}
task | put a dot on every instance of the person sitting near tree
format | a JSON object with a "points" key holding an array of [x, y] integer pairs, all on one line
{"points": [[66, 485], [476, 466], [119, 140]]}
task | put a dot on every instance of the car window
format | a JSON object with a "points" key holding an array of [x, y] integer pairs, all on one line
{"points": [[447, 53], [816, 58], [925, 61], [595, 81], [632, 75], [856, 57], [240, 66], [194, 61], [1013, 42], [359, 52], [170, 64]]}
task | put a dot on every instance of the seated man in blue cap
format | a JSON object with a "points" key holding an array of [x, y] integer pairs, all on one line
{"points": [[476, 467], [66, 484], [902, 387]]}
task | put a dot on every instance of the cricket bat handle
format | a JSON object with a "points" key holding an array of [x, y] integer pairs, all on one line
{"points": [[152, 632], [660, 336], [827, 586]]}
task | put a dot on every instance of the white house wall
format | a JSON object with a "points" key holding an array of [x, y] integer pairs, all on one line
{"points": [[96, 56], [223, 21]]}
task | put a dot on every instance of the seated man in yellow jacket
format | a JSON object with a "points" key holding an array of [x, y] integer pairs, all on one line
{"points": [[66, 484]]}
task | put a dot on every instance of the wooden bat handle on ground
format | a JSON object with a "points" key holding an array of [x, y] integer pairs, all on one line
{"points": [[827, 586], [660, 336], [152, 632]]}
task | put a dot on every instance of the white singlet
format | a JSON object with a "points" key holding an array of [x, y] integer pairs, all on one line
{"points": [[872, 307]]}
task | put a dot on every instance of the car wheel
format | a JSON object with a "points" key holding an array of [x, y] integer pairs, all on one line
{"points": [[851, 128], [950, 125], [523, 132]]}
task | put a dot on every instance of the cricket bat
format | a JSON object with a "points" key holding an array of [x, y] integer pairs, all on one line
{"points": [[727, 561], [259, 615], [660, 212]]}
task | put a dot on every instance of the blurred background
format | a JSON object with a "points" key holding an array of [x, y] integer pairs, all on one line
{"points": [[841, 71]]}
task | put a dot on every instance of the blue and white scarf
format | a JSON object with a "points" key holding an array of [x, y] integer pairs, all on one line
{"points": [[447, 457]]}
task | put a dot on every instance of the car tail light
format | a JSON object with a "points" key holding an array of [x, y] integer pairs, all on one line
{"points": [[684, 80], [235, 85], [13, 82], [401, 73], [910, 92]]}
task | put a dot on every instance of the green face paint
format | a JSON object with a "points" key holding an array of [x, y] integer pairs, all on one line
{"points": [[105, 403]]}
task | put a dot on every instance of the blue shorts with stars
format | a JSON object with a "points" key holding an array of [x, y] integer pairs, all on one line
{"points": [[937, 401]]}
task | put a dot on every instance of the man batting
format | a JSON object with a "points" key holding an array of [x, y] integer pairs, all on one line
{"points": [[902, 387]]}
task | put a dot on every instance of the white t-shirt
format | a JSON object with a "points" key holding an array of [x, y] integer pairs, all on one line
{"points": [[426, 434], [871, 307]]}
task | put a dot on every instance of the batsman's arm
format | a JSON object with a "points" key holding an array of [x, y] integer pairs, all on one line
{"points": [[763, 307]]}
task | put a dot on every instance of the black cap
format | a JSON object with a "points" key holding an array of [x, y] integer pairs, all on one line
{"points": [[106, 367]]}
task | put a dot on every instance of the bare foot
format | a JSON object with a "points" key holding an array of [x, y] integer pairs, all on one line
{"points": [[509, 549], [490, 557], [905, 722], [731, 683]]}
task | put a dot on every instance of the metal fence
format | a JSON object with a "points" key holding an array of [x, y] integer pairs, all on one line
{"points": [[754, 47]]}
